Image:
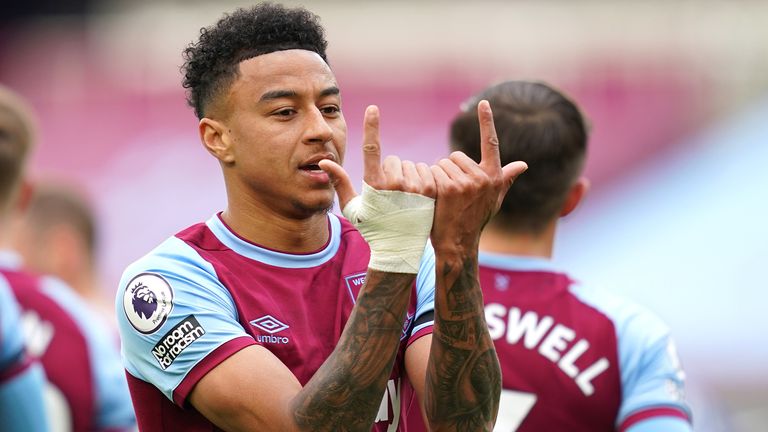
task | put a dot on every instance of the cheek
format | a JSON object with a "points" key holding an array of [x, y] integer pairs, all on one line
{"points": [[341, 139]]}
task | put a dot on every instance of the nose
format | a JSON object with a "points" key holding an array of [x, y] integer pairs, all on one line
{"points": [[317, 128]]}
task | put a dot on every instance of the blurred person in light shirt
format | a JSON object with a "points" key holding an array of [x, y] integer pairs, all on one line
{"points": [[85, 388]]}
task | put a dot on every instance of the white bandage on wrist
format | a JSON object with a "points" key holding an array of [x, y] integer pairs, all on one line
{"points": [[395, 224]]}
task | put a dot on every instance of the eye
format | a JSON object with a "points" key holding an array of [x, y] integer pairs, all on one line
{"points": [[330, 110], [285, 112]]}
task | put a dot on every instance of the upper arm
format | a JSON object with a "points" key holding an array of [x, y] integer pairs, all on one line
{"points": [[11, 338], [250, 390], [652, 378], [21, 381], [173, 315], [114, 410], [181, 333], [417, 353], [416, 357], [21, 400]]}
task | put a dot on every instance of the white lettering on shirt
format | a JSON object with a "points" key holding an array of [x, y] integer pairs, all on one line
{"points": [[551, 340]]}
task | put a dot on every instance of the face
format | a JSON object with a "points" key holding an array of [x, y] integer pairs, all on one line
{"points": [[281, 116]]}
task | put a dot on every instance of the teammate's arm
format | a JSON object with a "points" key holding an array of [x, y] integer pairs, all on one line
{"points": [[661, 424], [654, 384], [22, 381], [21, 401], [463, 380], [253, 390]]}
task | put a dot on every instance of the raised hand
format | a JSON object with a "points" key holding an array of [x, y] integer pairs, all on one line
{"points": [[463, 380], [393, 174], [468, 193], [395, 211]]}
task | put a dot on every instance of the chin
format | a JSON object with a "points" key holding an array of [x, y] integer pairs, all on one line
{"points": [[307, 209]]}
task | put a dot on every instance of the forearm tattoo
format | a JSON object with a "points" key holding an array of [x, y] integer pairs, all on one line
{"points": [[463, 380], [345, 393]]}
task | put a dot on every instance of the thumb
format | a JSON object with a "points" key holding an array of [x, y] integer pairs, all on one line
{"points": [[512, 170], [340, 181]]}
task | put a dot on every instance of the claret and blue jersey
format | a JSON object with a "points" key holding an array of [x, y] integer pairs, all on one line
{"points": [[577, 359], [21, 379], [206, 293], [84, 387]]}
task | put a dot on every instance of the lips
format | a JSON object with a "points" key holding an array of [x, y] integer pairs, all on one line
{"points": [[311, 164]]}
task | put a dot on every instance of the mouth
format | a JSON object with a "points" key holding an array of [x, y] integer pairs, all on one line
{"points": [[312, 164], [311, 168]]}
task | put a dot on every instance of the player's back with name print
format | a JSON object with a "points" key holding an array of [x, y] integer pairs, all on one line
{"points": [[559, 356]]}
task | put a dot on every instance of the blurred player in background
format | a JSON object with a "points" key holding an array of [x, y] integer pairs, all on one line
{"points": [[85, 388], [573, 358], [277, 315], [22, 380], [57, 235]]}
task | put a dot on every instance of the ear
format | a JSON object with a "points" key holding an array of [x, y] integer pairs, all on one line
{"points": [[216, 139], [575, 196]]}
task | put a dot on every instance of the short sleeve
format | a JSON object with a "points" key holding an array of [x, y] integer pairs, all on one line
{"points": [[114, 410], [653, 380], [176, 320], [425, 295], [11, 342]]}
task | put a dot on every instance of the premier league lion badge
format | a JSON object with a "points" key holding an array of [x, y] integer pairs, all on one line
{"points": [[147, 302]]}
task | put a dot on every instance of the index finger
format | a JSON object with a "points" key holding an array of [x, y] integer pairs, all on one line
{"points": [[489, 141], [372, 171]]}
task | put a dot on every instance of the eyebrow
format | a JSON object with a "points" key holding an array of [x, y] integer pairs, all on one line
{"points": [[330, 91], [279, 94]]}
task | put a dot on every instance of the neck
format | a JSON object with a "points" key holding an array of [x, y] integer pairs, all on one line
{"points": [[261, 224], [497, 239]]}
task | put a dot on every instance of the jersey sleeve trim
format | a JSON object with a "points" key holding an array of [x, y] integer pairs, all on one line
{"points": [[654, 412], [426, 330], [210, 361]]}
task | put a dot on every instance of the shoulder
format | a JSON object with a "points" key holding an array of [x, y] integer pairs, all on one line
{"points": [[652, 377], [633, 322], [173, 258], [172, 275]]}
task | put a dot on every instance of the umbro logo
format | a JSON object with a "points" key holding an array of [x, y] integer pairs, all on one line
{"points": [[271, 325]]}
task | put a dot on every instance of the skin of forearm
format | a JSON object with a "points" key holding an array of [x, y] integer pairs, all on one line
{"points": [[345, 393], [463, 382]]}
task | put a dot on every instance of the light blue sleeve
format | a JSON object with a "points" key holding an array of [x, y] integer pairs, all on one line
{"points": [[425, 287], [172, 312], [21, 394], [114, 409], [661, 424], [652, 378], [21, 401], [11, 338]]}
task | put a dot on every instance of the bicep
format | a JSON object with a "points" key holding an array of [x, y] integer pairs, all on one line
{"points": [[250, 390], [416, 357]]}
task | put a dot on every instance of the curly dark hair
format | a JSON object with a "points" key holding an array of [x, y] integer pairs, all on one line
{"points": [[539, 125], [211, 64]]}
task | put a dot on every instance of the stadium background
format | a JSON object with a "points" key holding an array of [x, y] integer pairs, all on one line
{"points": [[676, 91]]}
